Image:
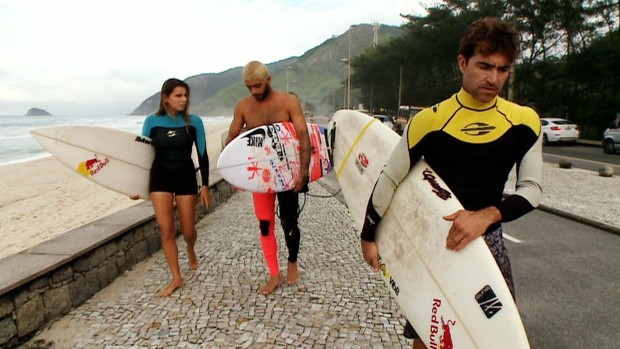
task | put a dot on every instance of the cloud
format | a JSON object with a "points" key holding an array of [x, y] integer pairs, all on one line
{"points": [[114, 54], [11, 93]]}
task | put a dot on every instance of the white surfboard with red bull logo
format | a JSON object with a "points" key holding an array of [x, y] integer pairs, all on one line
{"points": [[453, 299], [115, 159], [266, 158]]}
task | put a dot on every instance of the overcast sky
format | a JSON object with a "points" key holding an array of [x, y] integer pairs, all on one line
{"points": [[78, 57]]}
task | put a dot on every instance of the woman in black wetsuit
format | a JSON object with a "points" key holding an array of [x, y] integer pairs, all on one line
{"points": [[173, 176]]}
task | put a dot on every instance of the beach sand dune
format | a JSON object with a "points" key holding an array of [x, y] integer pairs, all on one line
{"points": [[42, 199]]}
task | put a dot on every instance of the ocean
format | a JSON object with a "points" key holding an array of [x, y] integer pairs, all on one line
{"points": [[17, 144]]}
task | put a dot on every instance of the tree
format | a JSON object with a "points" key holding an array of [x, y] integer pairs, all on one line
{"points": [[569, 64]]}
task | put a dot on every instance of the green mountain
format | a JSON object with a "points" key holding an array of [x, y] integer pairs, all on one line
{"points": [[317, 77]]}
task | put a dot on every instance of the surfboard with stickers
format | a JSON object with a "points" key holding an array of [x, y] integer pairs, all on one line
{"points": [[266, 158]]}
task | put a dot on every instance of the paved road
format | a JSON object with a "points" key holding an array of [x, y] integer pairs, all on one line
{"points": [[582, 156], [581, 163], [591, 150], [567, 282]]}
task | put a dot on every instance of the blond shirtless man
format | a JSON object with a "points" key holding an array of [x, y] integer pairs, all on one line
{"points": [[267, 106]]}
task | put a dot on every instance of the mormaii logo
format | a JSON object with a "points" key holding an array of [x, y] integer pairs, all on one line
{"points": [[90, 167], [477, 129], [441, 333], [361, 162]]}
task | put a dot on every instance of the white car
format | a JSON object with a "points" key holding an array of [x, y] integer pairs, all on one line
{"points": [[559, 130], [386, 120], [611, 137]]}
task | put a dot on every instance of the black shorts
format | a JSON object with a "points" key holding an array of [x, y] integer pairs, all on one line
{"points": [[178, 182], [495, 241]]}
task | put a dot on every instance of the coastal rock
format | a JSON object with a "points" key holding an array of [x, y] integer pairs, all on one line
{"points": [[37, 112]]}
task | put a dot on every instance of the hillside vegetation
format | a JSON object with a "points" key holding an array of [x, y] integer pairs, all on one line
{"points": [[316, 77], [569, 64]]}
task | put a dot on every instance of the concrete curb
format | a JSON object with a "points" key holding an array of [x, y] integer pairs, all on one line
{"points": [[609, 228], [590, 143]]}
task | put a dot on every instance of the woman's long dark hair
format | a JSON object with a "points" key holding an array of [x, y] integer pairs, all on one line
{"points": [[166, 89]]}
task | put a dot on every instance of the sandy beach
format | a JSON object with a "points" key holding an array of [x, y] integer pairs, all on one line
{"points": [[43, 199]]}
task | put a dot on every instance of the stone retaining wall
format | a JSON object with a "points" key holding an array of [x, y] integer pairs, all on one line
{"points": [[45, 282]]}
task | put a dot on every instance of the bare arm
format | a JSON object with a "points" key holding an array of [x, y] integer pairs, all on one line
{"points": [[468, 225], [236, 125], [301, 128]]}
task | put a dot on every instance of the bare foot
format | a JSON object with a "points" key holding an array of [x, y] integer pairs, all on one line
{"points": [[174, 285], [193, 261], [270, 286], [292, 274]]}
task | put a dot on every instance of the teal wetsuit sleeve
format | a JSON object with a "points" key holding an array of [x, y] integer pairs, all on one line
{"points": [[201, 147], [146, 127], [201, 137]]}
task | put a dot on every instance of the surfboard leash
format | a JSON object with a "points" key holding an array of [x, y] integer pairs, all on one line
{"points": [[324, 196], [301, 208]]}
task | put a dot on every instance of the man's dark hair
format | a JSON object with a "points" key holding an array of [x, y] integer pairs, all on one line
{"points": [[490, 35]]}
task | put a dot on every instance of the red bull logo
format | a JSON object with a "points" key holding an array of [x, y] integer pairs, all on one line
{"points": [[90, 167], [361, 162], [441, 340], [445, 341]]}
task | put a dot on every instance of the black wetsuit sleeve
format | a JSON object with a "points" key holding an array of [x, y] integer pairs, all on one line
{"points": [[528, 188], [371, 220], [203, 161], [201, 147]]}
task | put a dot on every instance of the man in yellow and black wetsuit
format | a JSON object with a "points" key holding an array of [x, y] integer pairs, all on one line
{"points": [[472, 140]]}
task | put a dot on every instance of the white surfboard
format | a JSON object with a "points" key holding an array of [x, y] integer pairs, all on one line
{"points": [[453, 299], [115, 159], [266, 158]]}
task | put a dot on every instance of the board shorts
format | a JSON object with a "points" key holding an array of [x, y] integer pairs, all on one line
{"points": [[177, 182], [495, 241]]}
